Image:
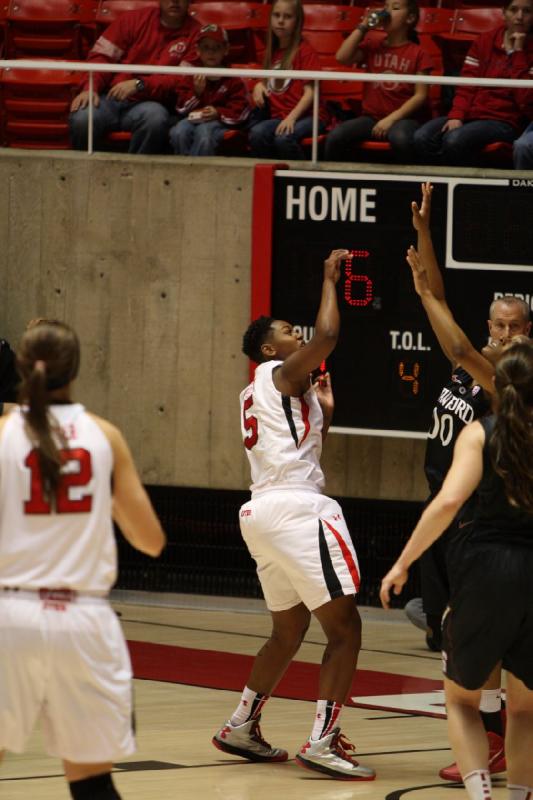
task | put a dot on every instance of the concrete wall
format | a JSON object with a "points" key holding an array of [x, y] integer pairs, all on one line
{"points": [[149, 259]]}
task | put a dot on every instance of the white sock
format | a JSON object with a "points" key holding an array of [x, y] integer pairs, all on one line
{"points": [[519, 792], [477, 784], [249, 707], [491, 701], [327, 714]]}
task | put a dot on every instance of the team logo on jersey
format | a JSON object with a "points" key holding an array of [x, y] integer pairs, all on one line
{"points": [[246, 512], [475, 390], [178, 47]]}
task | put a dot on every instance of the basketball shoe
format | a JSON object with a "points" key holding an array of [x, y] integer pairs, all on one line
{"points": [[496, 760], [332, 756], [246, 741]]}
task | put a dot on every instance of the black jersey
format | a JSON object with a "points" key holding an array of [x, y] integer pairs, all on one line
{"points": [[459, 403], [496, 520], [9, 378]]}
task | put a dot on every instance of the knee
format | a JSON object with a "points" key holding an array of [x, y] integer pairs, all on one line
{"points": [[174, 138], [290, 637], [154, 116], [523, 146], [345, 628]]}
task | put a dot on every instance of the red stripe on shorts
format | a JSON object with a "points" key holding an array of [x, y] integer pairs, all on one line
{"points": [[354, 572]]}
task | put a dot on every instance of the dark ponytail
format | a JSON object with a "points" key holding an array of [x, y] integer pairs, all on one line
{"points": [[511, 444], [48, 359]]}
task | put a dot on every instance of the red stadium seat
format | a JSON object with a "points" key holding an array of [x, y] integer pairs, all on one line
{"points": [[88, 10], [467, 24], [108, 10], [433, 22], [3, 29], [43, 29], [234, 143], [36, 105], [326, 26]]}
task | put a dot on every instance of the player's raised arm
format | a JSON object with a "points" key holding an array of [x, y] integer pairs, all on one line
{"points": [[292, 378], [452, 338], [421, 224]]}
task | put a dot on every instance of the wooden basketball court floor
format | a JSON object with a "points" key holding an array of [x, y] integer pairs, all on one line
{"points": [[192, 656]]}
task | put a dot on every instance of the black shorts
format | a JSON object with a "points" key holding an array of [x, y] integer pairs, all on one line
{"points": [[490, 615], [436, 568]]}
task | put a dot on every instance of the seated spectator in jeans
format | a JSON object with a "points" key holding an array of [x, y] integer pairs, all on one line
{"points": [[484, 114], [126, 102], [283, 107], [523, 147], [391, 111], [209, 106]]}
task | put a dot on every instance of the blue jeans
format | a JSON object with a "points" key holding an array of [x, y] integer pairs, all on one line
{"points": [[148, 122], [523, 149], [264, 142], [201, 139], [340, 142], [460, 146]]}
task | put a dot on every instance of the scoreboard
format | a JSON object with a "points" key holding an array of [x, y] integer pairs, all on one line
{"points": [[387, 369]]}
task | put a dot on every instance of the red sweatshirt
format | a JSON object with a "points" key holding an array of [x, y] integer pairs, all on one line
{"points": [[487, 58], [228, 95], [138, 37]]}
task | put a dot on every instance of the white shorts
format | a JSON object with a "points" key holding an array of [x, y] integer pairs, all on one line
{"points": [[67, 664], [302, 547]]}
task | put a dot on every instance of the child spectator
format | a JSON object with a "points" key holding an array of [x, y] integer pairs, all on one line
{"points": [[390, 111], [484, 114], [208, 106], [283, 115]]}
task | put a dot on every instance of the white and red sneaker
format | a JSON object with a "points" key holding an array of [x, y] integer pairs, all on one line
{"points": [[332, 755], [246, 741], [496, 760]]}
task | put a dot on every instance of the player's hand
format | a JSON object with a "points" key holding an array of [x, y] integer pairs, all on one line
{"points": [[420, 278], [332, 264], [517, 40], [395, 579], [451, 125], [421, 216], [82, 100], [123, 90], [324, 394], [259, 94], [198, 82]]}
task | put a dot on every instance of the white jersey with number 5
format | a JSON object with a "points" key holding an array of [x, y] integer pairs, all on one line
{"points": [[69, 543], [282, 435]]}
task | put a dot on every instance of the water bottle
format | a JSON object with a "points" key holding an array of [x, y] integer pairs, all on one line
{"points": [[377, 17]]}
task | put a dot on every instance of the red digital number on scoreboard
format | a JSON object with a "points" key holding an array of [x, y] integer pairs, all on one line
{"points": [[358, 287]]}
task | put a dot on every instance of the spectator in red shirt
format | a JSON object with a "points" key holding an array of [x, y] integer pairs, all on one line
{"points": [[484, 114], [208, 106], [282, 116], [136, 103], [391, 111]]}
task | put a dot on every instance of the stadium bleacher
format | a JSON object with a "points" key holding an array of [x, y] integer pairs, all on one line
{"points": [[34, 105]]}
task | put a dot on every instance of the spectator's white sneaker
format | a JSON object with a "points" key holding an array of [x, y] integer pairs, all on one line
{"points": [[332, 756], [246, 741]]}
